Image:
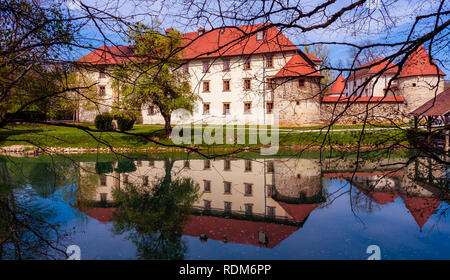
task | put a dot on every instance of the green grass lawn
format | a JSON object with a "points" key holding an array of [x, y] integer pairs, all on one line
{"points": [[57, 136]]}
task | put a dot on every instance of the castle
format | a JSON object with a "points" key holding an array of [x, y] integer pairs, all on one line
{"points": [[245, 81]]}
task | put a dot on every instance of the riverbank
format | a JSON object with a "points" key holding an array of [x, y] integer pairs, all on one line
{"points": [[37, 139]]}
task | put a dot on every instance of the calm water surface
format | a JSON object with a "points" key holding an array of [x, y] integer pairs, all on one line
{"points": [[280, 208]]}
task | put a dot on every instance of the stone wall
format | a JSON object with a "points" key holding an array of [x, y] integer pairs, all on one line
{"points": [[298, 105], [357, 112]]}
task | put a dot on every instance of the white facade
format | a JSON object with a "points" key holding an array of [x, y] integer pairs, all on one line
{"points": [[237, 96]]}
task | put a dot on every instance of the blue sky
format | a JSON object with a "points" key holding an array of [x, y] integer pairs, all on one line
{"points": [[369, 26]]}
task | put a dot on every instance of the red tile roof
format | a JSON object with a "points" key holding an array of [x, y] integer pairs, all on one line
{"points": [[108, 55], [438, 106], [230, 41], [334, 99], [378, 65], [227, 41], [418, 64], [237, 231], [337, 87], [298, 66]]}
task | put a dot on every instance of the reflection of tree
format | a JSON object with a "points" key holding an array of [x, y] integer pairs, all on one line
{"points": [[25, 230], [152, 216]]}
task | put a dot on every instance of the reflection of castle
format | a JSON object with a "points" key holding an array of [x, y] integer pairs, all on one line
{"points": [[414, 184], [245, 201], [263, 200]]}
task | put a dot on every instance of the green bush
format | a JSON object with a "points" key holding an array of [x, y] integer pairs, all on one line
{"points": [[103, 121], [103, 167], [124, 122]]}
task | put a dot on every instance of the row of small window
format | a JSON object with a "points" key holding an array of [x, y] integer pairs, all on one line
{"points": [[248, 188], [226, 64], [248, 208], [226, 84], [227, 165], [227, 111]]}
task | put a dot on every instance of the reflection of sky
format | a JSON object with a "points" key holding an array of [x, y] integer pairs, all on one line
{"points": [[335, 233], [329, 233]]}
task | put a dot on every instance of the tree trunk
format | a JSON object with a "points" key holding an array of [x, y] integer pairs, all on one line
{"points": [[167, 125]]}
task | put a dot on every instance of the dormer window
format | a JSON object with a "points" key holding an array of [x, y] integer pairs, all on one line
{"points": [[201, 31], [260, 35]]}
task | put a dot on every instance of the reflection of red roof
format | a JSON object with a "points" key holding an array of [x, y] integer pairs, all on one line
{"points": [[227, 41], [298, 66], [382, 198], [365, 174], [338, 86], [333, 99], [421, 208], [103, 215], [299, 212], [418, 64], [237, 231]]}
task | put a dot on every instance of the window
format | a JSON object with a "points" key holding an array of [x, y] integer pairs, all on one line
{"points": [[269, 107], [249, 209], [226, 108], [270, 190], [125, 179], [226, 85], [269, 61], [103, 180], [206, 164], [103, 197], [270, 83], [187, 164], [247, 108], [227, 164], [260, 35], [247, 64], [248, 189], [206, 66], [205, 86], [227, 206], [226, 65], [227, 187], [207, 204], [301, 83], [270, 167], [205, 108], [139, 163], [271, 212], [151, 163], [248, 165], [145, 180], [186, 68], [102, 74], [247, 84], [414, 84], [151, 110], [101, 90], [207, 185]]}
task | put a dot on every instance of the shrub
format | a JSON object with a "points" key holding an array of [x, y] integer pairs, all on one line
{"points": [[103, 167], [124, 122], [103, 121]]}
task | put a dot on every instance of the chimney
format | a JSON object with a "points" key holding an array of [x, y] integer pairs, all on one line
{"points": [[169, 30], [201, 31]]}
